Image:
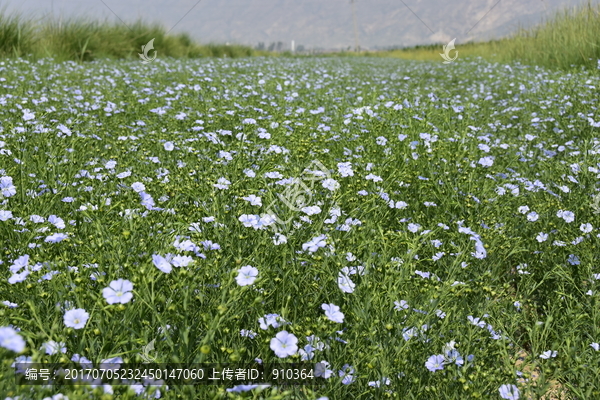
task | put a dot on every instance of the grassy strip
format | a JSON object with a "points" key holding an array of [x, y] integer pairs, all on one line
{"points": [[86, 40], [570, 38]]}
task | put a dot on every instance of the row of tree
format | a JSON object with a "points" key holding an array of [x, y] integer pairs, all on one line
{"points": [[277, 46]]}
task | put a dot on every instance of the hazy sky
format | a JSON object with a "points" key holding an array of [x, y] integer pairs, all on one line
{"points": [[313, 23]]}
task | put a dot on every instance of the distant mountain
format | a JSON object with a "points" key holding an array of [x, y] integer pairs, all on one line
{"points": [[324, 24]]}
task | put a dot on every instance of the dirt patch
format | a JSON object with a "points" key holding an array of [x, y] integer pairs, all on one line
{"points": [[528, 382]]}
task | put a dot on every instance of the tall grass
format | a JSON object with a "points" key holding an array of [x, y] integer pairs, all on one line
{"points": [[16, 35], [85, 40], [571, 38]]}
